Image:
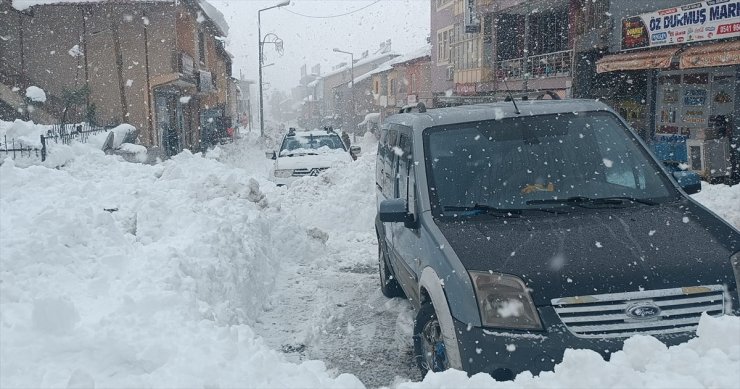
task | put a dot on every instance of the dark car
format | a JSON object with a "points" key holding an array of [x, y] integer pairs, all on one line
{"points": [[518, 232]]}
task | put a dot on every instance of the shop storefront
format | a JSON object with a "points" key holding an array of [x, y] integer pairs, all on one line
{"points": [[690, 56]]}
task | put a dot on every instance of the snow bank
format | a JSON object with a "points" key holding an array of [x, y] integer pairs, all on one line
{"points": [[710, 361], [128, 275], [58, 154], [723, 200]]}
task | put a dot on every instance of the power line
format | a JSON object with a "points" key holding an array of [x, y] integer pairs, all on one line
{"points": [[331, 16]]}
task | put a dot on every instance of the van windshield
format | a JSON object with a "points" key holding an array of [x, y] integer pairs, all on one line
{"points": [[536, 162]]}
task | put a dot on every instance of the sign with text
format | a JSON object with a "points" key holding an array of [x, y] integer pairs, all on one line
{"points": [[700, 21]]}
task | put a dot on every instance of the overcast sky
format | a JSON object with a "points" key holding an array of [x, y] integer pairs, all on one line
{"points": [[311, 40]]}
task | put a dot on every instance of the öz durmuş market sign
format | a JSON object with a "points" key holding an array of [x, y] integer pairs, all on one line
{"points": [[701, 21]]}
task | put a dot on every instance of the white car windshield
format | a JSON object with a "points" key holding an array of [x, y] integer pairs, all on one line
{"points": [[311, 144]]}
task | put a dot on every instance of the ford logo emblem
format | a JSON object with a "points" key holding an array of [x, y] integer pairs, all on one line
{"points": [[643, 310]]}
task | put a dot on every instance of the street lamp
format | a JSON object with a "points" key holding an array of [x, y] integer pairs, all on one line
{"points": [[259, 37], [352, 87]]}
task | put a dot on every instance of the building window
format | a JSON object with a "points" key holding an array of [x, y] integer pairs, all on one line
{"points": [[444, 48], [412, 84], [443, 3], [202, 47], [376, 87], [465, 48], [392, 87], [593, 14]]}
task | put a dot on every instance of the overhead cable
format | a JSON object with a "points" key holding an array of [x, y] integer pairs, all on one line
{"points": [[331, 16]]}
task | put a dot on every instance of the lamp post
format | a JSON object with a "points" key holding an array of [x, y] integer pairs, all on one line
{"points": [[259, 37], [352, 87]]}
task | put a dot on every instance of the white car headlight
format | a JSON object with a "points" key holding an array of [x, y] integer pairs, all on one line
{"points": [[504, 301], [283, 173]]}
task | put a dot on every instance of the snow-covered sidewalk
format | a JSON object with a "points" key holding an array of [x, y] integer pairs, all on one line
{"points": [[179, 275]]}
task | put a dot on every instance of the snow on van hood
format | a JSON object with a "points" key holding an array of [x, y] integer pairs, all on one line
{"points": [[312, 158]]}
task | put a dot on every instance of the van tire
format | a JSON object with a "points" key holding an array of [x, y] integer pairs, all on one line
{"points": [[389, 285], [429, 348]]}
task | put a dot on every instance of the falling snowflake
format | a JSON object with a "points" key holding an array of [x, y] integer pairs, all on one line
{"points": [[598, 244]]}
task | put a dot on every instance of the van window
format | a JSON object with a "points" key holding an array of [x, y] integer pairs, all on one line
{"points": [[403, 163]]}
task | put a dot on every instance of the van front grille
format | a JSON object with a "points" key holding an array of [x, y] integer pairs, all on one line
{"points": [[308, 172], [650, 312]]}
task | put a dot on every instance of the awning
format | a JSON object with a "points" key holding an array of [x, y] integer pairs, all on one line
{"points": [[715, 54], [650, 59]]}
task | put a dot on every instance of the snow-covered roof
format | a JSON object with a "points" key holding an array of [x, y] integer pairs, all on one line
{"points": [[215, 15], [24, 4], [360, 63], [425, 51], [388, 65], [209, 10]]}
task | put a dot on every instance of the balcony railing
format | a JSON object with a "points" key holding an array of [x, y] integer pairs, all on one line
{"points": [[557, 64]]}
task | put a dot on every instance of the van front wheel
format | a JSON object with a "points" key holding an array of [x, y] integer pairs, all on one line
{"points": [[429, 346]]}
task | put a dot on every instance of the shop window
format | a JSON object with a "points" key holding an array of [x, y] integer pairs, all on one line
{"points": [[696, 79], [669, 80]]}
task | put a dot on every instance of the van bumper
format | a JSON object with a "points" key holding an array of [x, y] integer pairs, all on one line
{"points": [[504, 353]]}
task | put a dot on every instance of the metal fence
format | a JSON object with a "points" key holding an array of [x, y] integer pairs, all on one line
{"points": [[58, 133], [16, 149], [557, 64]]}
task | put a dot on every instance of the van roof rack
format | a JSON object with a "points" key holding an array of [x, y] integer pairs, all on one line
{"points": [[291, 131]]}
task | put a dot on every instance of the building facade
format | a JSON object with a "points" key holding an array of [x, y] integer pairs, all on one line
{"points": [[160, 66], [670, 68]]}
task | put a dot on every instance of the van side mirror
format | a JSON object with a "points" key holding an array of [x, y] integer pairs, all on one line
{"points": [[355, 151], [690, 182], [396, 211], [270, 155]]}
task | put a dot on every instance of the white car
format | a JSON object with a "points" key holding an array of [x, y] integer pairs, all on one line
{"points": [[308, 153]]}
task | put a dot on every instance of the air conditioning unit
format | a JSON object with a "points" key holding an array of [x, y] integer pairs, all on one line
{"points": [[450, 73], [710, 158]]}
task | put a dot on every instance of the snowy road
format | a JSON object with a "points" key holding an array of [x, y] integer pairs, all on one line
{"points": [[330, 307]]}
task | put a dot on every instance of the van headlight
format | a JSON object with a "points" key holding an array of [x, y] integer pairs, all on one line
{"points": [[283, 173], [504, 301]]}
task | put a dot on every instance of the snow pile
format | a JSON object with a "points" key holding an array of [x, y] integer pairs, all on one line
{"points": [[710, 361], [128, 275], [29, 134], [724, 200], [36, 94]]}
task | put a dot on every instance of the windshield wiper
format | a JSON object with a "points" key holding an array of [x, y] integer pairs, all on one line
{"points": [[487, 209], [582, 200]]}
